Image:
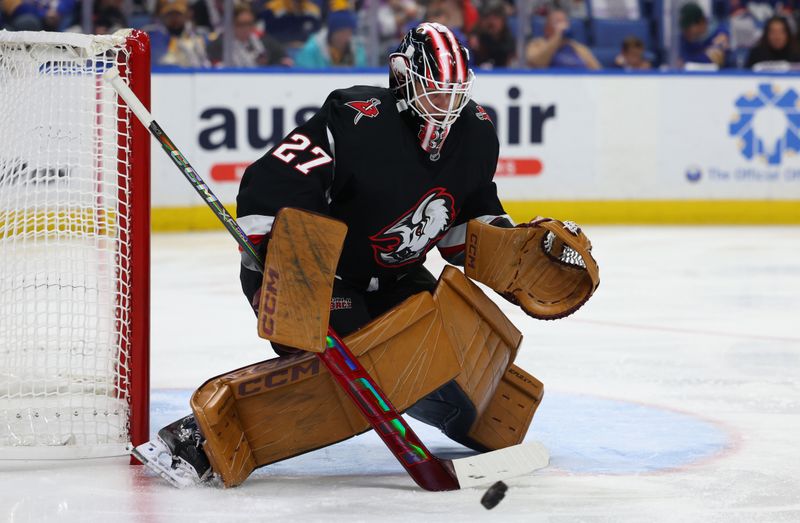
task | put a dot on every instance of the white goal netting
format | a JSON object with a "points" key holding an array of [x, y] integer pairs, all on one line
{"points": [[64, 248]]}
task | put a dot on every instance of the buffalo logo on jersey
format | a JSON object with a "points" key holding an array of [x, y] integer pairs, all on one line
{"points": [[409, 237], [367, 108], [482, 114]]}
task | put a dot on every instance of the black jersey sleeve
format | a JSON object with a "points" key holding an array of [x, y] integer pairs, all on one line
{"points": [[482, 204], [297, 172]]}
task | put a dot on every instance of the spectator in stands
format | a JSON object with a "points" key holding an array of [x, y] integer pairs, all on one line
{"points": [[632, 56], [250, 48], [557, 49], [107, 17], [21, 16], [449, 13], [777, 44], [573, 8], [56, 14], [174, 40], [748, 18], [334, 45], [471, 16], [208, 15], [700, 42], [394, 17], [492, 43], [291, 22], [37, 15]]}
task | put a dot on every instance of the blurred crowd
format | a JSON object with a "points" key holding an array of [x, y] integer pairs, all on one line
{"points": [[541, 34]]}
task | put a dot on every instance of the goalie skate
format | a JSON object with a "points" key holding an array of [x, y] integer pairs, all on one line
{"points": [[176, 454]]}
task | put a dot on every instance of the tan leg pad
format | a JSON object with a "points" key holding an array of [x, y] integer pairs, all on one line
{"points": [[505, 397], [283, 407], [510, 411], [485, 339], [232, 452]]}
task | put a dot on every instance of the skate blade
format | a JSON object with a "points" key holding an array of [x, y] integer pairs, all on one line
{"points": [[155, 456]]}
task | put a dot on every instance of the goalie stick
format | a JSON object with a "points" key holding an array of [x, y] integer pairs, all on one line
{"points": [[428, 471]]}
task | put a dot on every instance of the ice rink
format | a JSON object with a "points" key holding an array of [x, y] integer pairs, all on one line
{"points": [[673, 395]]}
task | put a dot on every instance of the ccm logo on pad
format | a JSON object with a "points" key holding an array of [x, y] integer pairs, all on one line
{"points": [[269, 301], [472, 250], [278, 378]]}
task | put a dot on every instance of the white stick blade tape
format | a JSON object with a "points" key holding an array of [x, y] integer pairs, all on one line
{"points": [[517, 460]]}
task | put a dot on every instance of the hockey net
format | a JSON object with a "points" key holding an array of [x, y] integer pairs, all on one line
{"points": [[74, 247]]}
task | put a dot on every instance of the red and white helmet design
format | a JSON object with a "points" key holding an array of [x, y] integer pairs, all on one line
{"points": [[430, 72]]}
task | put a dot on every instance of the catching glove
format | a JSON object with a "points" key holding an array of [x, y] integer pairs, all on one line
{"points": [[545, 266]]}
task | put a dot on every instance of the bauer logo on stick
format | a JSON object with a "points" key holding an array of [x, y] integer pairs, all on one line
{"points": [[367, 108]]}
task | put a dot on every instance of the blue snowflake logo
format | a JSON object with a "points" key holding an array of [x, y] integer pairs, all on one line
{"points": [[767, 124]]}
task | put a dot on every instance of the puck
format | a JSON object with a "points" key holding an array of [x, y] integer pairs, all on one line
{"points": [[494, 495]]}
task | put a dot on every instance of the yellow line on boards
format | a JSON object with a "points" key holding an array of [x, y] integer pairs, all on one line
{"points": [[623, 212], [661, 212], [176, 219]]}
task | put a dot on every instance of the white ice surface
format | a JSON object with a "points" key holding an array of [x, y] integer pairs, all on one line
{"points": [[673, 395]]}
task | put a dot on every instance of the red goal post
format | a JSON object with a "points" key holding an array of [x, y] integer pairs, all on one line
{"points": [[74, 246]]}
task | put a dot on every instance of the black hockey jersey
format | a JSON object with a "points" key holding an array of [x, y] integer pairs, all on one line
{"points": [[359, 160]]}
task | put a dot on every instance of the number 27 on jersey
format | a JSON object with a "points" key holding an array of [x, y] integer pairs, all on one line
{"points": [[300, 142]]}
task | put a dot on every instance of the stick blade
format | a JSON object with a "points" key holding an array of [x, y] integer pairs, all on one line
{"points": [[510, 462]]}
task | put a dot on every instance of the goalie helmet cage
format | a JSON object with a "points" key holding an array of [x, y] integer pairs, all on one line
{"points": [[74, 246]]}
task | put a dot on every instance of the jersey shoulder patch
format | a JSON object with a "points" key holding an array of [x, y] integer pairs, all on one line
{"points": [[481, 113], [474, 110], [368, 108], [478, 123], [361, 102]]}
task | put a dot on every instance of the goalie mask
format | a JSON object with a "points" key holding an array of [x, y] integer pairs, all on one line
{"points": [[430, 73]]}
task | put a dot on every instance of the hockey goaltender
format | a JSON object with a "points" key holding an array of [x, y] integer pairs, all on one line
{"points": [[387, 174]]}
